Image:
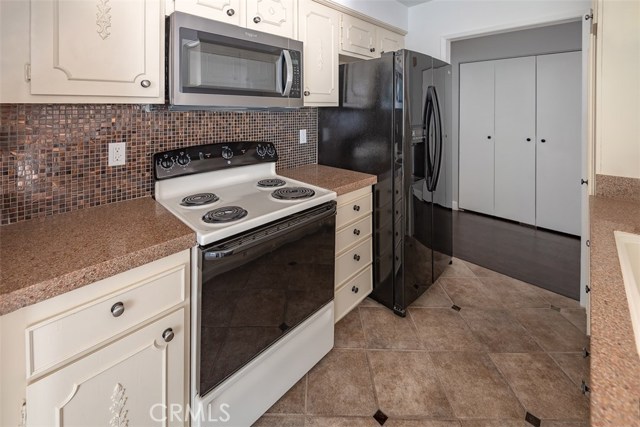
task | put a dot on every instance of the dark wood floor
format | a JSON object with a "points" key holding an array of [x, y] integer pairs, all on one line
{"points": [[543, 258]]}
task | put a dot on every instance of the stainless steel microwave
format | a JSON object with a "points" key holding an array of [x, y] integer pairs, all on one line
{"points": [[218, 65]]}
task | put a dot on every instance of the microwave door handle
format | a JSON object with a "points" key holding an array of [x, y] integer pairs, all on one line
{"points": [[279, 87], [289, 64]]}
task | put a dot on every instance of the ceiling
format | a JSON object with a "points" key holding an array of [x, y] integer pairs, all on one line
{"points": [[410, 3]]}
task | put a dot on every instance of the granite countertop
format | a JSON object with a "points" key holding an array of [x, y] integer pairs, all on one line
{"points": [[46, 257], [615, 364], [341, 181]]}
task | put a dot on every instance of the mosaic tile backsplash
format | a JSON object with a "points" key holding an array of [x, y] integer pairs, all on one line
{"points": [[54, 157]]}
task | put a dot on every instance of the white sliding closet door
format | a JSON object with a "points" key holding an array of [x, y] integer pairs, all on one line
{"points": [[558, 146], [515, 149], [476, 137]]}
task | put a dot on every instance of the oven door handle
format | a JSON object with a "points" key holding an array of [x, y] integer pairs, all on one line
{"points": [[212, 255]]}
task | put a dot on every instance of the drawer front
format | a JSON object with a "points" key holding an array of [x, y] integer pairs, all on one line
{"points": [[353, 210], [343, 199], [353, 234], [60, 338], [352, 293], [353, 261]]}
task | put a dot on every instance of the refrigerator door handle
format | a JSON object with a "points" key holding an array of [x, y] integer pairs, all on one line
{"points": [[434, 150]]}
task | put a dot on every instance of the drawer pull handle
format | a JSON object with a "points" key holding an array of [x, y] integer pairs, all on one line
{"points": [[356, 231], [168, 335], [117, 309], [356, 208], [356, 257], [354, 290]]}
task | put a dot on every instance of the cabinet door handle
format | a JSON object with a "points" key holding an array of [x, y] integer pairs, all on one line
{"points": [[356, 257], [356, 208], [373, 49], [145, 83], [307, 93], [528, 139], [117, 309], [257, 19], [488, 136], [543, 140], [231, 12], [356, 231], [354, 289], [168, 335]]}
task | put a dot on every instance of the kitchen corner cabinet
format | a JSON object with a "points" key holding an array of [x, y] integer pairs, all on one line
{"points": [[319, 31], [97, 49], [114, 352], [353, 273], [270, 16]]}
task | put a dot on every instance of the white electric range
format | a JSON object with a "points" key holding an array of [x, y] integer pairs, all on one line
{"points": [[263, 275]]}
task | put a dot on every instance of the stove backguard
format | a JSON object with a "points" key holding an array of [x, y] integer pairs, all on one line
{"points": [[257, 287]]}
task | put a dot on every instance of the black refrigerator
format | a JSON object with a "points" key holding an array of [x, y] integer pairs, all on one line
{"points": [[393, 122]]}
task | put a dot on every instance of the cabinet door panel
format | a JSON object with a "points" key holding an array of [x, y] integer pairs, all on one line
{"points": [[319, 31], [228, 11], [117, 385], [103, 48], [476, 137], [515, 109], [558, 158], [358, 36], [272, 16], [388, 41]]}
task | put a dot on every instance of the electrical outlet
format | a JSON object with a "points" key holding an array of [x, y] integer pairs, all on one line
{"points": [[117, 153], [303, 136]]}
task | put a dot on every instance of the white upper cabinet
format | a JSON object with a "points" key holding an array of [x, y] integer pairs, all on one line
{"points": [[272, 16], [229, 11], [358, 37], [388, 41], [111, 48], [319, 31]]}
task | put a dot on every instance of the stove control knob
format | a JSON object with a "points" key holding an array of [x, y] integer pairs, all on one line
{"points": [[227, 153], [261, 151], [183, 159], [271, 151], [166, 163]]}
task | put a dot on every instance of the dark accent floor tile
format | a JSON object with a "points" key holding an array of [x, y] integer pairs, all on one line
{"points": [[457, 269], [270, 420], [551, 330], [342, 422], [340, 384], [574, 365], [348, 331], [514, 293], [499, 331], [384, 329], [577, 316], [541, 386], [442, 329], [470, 292], [421, 423], [293, 400], [407, 386], [435, 296], [474, 386]]}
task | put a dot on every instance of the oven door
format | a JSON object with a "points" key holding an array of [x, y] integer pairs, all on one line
{"points": [[217, 64], [257, 287]]}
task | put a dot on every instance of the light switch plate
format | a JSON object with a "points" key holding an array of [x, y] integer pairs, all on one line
{"points": [[117, 153], [303, 136]]}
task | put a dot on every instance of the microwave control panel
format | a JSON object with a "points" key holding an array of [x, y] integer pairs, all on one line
{"points": [[297, 80]]}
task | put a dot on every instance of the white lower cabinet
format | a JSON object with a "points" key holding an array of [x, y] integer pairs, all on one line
{"points": [[353, 275], [111, 353], [130, 382]]}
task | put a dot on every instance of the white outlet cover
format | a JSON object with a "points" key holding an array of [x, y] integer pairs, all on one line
{"points": [[117, 153], [303, 136]]}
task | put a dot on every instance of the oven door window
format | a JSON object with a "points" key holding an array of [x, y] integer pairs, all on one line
{"points": [[253, 297], [215, 64]]}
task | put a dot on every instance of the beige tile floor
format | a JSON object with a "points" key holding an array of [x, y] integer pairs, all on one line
{"points": [[512, 348]]}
